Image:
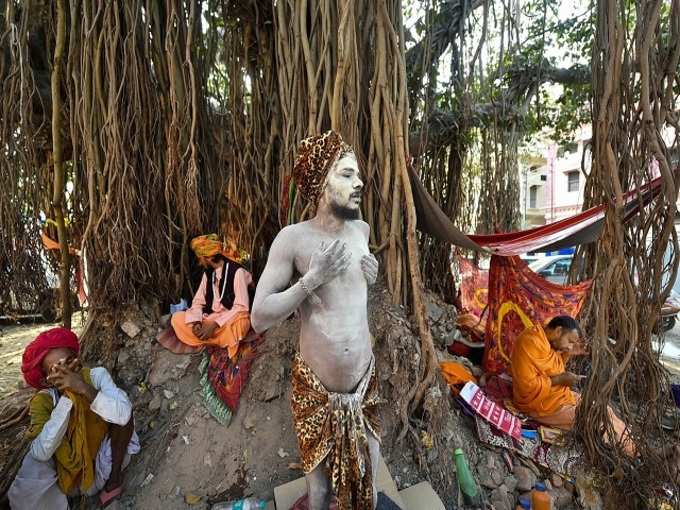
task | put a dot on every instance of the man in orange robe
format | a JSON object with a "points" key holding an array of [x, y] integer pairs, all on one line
{"points": [[220, 311], [541, 385]]}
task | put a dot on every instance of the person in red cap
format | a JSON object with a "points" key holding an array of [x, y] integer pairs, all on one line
{"points": [[82, 431]]}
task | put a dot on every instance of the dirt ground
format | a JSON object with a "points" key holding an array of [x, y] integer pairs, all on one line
{"points": [[187, 456], [13, 339]]}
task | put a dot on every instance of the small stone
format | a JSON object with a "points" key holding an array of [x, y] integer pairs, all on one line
{"points": [[192, 499], [562, 498], [130, 328], [185, 439], [434, 312], [526, 479], [282, 453], [207, 460], [123, 357], [490, 479], [510, 482], [249, 422], [556, 480], [168, 394], [173, 405], [155, 403], [501, 499]]}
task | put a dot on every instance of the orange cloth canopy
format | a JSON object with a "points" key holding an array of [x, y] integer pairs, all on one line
{"points": [[534, 362]]}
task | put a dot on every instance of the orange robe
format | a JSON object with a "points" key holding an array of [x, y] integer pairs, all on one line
{"points": [[233, 323], [533, 363]]}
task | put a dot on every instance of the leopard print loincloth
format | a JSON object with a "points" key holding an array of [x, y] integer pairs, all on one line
{"points": [[332, 427], [316, 156]]}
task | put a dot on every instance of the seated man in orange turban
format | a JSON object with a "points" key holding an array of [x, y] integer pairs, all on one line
{"points": [[82, 431], [541, 385], [220, 311]]}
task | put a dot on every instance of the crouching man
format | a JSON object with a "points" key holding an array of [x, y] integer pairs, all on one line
{"points": [[82, 429]]}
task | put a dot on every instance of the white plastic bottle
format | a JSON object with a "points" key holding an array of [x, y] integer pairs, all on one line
{"points": [[242, 504]]}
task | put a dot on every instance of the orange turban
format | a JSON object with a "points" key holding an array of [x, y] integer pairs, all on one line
{"points": [[316, 156], [210, 245]]}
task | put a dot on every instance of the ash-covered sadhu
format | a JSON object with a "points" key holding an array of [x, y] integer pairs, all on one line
{"points": [[335, 390]]}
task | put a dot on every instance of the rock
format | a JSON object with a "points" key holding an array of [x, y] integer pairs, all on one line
{"points": [[526, 479], [562, 498], [501, 499], [130, 328], [452, 336], [434, 312], [267, 372], [282, 453], [155, 403], [168, 394], [193, 416], [556, 480], [490, 479], [510, 482], [491, 473], [123, 357], [249, 421], [192, 499], [167, 366]]}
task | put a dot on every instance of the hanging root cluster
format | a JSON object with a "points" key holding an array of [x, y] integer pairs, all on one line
{"points": [[182, 117], [635, 80], [139, 150]]}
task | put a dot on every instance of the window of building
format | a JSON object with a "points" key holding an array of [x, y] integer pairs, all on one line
{"points": [[573, 180], [533, 193]]}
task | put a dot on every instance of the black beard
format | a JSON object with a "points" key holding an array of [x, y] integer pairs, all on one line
{"points": [[345, 213]]}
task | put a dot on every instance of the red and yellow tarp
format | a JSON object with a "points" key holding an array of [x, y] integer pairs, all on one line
{"points": [[516, 298]]}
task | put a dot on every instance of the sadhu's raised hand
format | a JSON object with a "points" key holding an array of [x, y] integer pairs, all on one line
{"points": [[327, 262], [369, 266]]}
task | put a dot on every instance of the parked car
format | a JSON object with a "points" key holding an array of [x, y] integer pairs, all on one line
{"points": [[554, 268], [529, 259]]}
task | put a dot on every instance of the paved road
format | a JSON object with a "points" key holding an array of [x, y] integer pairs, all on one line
{"points": [[671, 352]]}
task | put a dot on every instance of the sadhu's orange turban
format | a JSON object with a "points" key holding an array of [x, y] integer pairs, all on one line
{"points": [[210, 245], [316, 155]]}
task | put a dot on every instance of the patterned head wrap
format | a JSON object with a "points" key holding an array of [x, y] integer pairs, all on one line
{"points": [[210, 245], [316, 155], [36, 351]]}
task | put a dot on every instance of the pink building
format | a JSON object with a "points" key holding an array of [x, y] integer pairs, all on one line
{"points": [[553, 184]]}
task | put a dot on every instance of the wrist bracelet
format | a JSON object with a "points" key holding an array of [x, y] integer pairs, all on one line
{"points": [[304, 286]]}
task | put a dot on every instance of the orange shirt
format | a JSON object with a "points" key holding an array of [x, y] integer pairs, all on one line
{"points": [[533, 363]]}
